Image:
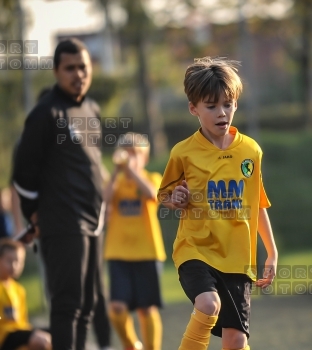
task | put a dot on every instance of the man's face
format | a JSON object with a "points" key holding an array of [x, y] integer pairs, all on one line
{"points": [[74, 74], [12, 264]]}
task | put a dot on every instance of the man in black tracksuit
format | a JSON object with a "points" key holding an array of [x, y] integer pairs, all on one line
{"points": [[57, 173]]}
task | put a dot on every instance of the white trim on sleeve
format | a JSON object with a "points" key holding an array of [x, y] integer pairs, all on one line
{"points": [[101, 220], [25, 193]]}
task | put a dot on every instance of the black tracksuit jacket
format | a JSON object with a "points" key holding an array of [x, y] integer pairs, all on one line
{"points": [[57, 166]]}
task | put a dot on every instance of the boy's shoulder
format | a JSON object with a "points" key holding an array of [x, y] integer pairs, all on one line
{"points": [[183, 145], [12, 285], [250, 142], [152, 175], [17, 286]]}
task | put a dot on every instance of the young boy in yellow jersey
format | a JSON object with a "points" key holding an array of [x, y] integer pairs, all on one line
{"points": [[134, 246], [15, 330], [214, 179]]}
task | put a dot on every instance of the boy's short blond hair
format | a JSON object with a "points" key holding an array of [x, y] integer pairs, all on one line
{"points": [[209, 77], [8, 244], [139, 142]]}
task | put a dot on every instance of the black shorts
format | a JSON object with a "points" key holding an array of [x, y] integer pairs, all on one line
{"points": [[16, 339], [234, 290], [136, 283]]}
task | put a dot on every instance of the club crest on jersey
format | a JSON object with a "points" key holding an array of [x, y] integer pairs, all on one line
{"points": [[247, 167]]}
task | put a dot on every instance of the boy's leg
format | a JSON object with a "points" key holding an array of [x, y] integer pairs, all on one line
{"points": [[40, 340], [198, 283], [198, 331], [151, 328], [234, 339], [122, 322]]}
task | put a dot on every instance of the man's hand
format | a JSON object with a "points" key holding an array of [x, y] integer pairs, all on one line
{"points": [[32, 231], [34, 222]]}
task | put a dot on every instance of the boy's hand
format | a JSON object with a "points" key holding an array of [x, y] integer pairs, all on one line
{"points": [[181, 195], [269, 273]]}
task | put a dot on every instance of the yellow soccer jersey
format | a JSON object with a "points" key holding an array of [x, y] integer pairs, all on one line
{"points": [[13, 308], [133, 229], [219, 226]]}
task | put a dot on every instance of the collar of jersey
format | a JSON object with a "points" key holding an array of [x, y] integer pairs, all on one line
{"points": [[202, 139]]}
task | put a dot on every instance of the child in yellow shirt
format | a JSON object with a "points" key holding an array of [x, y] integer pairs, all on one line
{"points": [[134, 247], [15, 329], [213, 179]]}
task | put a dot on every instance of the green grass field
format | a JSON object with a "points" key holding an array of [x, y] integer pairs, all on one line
{"points": [[289, 265]]}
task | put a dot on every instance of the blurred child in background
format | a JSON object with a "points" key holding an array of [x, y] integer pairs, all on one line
{"points": [[15, 329], [6, 220], [134, 247]]}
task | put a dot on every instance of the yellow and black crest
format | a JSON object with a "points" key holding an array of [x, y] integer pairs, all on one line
{"points": [[247, 167]]}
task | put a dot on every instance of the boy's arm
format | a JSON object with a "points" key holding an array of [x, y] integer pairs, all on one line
{"points": [[266, 234], [146, 187], [109, 188]]}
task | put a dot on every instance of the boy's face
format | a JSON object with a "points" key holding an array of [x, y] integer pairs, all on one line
{"points": [[11, 264], [215, 118], [137, 158]]}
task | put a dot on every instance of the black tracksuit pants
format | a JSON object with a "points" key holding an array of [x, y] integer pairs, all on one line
{"points": [[73, 274]]}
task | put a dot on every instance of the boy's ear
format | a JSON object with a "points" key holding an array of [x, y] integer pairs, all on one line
{"points": [[192, 109]]}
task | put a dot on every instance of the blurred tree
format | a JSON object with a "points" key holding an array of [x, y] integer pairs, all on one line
{"points": [[302, 16], [196, 15], [10, 94], [7, 19], [135, 34]]}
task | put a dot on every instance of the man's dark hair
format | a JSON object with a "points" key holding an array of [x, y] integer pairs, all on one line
{"points": [[71, 46]]}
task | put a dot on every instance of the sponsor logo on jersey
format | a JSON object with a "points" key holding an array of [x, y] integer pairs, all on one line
{"points": [[9, 313], [225, 196], [226, 156], [130, 207]]}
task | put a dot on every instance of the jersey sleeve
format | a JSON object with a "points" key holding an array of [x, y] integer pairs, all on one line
{"points": [[29, 156], [264, 201], [172, 177]]}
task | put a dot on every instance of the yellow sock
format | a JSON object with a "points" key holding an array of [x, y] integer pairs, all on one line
{"points": [[151, 329], [123, 324], [198, 331]]}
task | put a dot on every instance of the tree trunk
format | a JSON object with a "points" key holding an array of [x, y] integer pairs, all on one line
{"points": [[153, 120]]}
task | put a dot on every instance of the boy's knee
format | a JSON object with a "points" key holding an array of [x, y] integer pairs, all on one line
{"points": [[147, 311], [209, 303], [233, 339], [117, 307], [40, 340]]}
